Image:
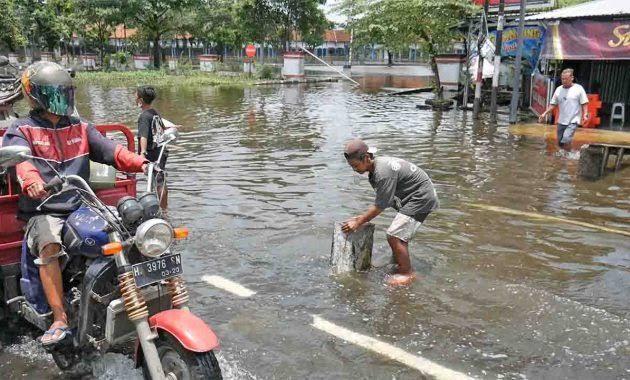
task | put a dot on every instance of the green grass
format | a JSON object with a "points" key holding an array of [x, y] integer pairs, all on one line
{"points": [[568, 3], [160, 78]]}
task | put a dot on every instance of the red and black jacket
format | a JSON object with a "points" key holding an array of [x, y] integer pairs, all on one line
{"points": [[68, 147]]}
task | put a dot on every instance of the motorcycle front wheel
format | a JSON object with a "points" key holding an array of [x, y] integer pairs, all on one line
{"points": [[184, 364]]}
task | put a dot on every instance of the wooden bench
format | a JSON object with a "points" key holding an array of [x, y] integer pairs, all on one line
{"points": [[594, 159], [618, 150]]}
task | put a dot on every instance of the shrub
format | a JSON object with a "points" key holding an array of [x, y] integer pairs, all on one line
{"points": [[266, 72]]}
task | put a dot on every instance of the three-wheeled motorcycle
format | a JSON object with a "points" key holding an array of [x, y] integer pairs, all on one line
{"points": [[122, 278]]}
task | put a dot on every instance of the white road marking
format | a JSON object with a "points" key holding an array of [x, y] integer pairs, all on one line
{"points": [[425, 366], [228, 286]]}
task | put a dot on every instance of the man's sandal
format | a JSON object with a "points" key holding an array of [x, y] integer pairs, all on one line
{"points": [[65, 331]]}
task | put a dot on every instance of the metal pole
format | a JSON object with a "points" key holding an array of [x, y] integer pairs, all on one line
{"points": [[516, 86], [350, 50], [497, 61], [467, 79], [479, 80], [336, 70]]}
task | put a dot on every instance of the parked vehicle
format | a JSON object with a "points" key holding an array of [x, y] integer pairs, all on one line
{"points": [[122, 281], [10, 92]]}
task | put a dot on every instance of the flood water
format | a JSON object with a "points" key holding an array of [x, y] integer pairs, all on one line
{"points": [[259, 177]]}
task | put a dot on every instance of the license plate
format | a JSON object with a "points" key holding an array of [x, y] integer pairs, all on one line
{"points": [[156, 270]]}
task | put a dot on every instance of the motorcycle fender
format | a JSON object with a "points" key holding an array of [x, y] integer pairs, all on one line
{"points": [[191, 331]]}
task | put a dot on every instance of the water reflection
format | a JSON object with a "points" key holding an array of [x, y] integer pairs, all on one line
{"points": [[374, 83]]}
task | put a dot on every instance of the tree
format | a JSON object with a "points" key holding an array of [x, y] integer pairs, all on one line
{"points": [[216, 23], [373, 23], [11, 34], [352, 9], [257, 22], [186, 27], [297, 16], [280, 20], [431, 23], [99, 19], [45, 23], [313, 30], [156, 18]]}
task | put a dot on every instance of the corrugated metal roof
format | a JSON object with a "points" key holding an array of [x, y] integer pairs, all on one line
{"points": [[597, 8]]}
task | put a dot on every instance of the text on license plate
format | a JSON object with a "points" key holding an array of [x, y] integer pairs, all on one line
{"points": [[156, 270]]}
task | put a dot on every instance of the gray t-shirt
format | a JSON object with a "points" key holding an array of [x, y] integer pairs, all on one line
{"points": [[404, 186], [569, 101]]}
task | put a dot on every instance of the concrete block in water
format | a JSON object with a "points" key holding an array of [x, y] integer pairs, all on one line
{"points": [[353, 251], [591, 162]]}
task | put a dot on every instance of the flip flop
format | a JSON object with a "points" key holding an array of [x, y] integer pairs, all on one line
{"points": [[65, 331]]}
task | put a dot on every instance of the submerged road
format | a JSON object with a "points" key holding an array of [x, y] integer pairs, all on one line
{"points": [[259, 178]]}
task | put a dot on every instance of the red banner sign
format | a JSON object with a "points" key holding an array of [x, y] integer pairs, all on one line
{"points": [[587, 40], [541, 92]]}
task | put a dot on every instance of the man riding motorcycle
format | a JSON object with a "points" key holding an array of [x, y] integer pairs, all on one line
{"points": [[68, 144]]}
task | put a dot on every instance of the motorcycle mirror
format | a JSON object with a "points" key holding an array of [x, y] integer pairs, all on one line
{"points": [[3, 60], [171, 134], [13, 155]]}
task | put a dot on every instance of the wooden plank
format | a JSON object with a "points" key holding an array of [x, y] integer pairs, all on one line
{"points": [[294, 81], [406, 91], [612, 145], [582, 135]]}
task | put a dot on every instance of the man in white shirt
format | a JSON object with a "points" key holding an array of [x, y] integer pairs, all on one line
{"points": [[572, 102]]}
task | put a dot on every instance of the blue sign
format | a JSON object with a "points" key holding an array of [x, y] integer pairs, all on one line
{"points": [[532, 41]]}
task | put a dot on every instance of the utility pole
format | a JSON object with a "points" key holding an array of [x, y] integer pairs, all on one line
{"points": [[479, 80], [467, 71], [497, 61], [349, 65], [350, 23], [516, 86]]}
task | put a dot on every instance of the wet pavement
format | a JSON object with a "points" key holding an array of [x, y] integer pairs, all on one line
{"points": [[259, 178]]}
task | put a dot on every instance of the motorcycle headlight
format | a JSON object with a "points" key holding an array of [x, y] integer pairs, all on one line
{"points": [[150, 205], [129, 210], [153, 237]]}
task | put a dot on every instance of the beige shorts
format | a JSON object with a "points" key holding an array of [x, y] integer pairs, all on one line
{"points": [[41, 231], [403, 227]]}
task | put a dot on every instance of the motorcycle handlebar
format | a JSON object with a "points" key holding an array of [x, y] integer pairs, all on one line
{"points": [[54, 184]]}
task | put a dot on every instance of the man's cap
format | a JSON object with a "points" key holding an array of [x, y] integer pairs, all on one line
{"points": [[356, 148]]}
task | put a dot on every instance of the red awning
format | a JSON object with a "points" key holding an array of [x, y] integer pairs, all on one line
{"points": [[587, 40]]}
